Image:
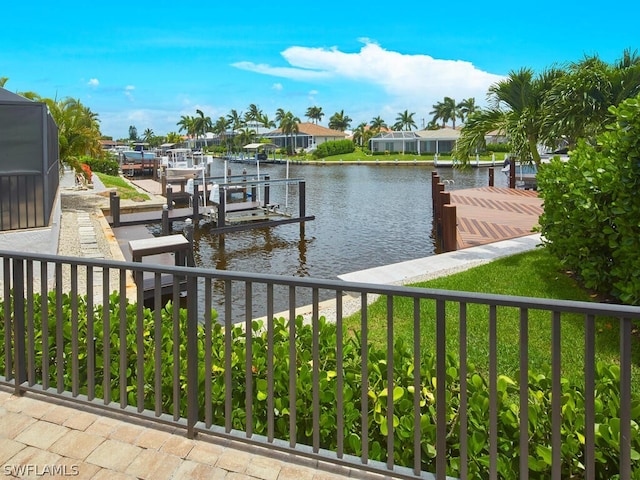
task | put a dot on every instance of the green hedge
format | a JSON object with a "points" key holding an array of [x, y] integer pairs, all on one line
{"points": [[539, 438], [338, 147], [592, 207], [102, 165]]}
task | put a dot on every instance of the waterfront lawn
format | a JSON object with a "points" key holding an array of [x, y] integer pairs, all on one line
{"points": [[125, 190], [531, 274], [360, 155]]}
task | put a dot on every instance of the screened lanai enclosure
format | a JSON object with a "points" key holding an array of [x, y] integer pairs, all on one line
{"points": [[29, 167]]}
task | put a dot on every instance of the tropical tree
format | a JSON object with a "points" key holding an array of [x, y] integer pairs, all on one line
{"points": [[133, 133], [78, 128], [245, 136], [202, 125], [148, 135], [466, 107], [264, 120], [280, 114], [405, 121], [377, 123], [289, 125], [187, 125], [235, 120], [517, 109], [174, 137], [445, 111], [252, 116], [360, 134], [220, 128], [3, 81], [579, 102], [339, 121], [314, 114]]}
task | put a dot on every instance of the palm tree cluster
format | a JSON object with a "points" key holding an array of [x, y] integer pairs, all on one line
{"points": [[556, 107], [448, 110]]}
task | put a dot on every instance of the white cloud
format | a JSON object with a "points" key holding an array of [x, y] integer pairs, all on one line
{"points": [[128, 91], [277, 86], [419, 79], [93, 82]]}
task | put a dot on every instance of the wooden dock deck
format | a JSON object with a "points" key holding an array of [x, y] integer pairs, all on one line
{"points": [[490, 214]]}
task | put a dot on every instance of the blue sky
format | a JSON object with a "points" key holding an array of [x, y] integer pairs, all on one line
{"points": [[148, 63]]}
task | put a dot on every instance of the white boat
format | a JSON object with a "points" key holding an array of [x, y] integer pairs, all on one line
{"points": [[183, 163]]}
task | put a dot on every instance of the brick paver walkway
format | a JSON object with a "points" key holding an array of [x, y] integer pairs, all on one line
{"points": [[42, 438]]}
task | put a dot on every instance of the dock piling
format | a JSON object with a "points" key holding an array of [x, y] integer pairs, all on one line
{"points": [[114, 206], [165, 219], [449, 228], [170, 196]]}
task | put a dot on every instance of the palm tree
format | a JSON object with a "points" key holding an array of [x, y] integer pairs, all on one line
{"points": [[518, 109], [245, 136], [264, 120], [377, 124], [252, 117], [360, 134], [187, 125], [445, 111], [405, 121], [579, 101], [202, 125], [339, 121], [174, 137], [78, 128], [3, 81], [315, 114], [289, 125], [220, 128], [148, 135], [466, 107], [235, 120]]}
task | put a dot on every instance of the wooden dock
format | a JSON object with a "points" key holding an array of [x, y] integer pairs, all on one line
{"points": [[490, 214]]}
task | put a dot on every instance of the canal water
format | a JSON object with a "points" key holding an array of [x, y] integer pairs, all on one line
{"points": [[365, 216]]}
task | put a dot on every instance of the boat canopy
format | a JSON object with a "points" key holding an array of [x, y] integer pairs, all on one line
{"points": [[257, 146]]}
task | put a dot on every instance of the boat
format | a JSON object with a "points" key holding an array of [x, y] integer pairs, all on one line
{"points": [[183, 163], [138, 155]]}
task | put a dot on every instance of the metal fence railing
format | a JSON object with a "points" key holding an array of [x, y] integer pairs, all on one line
{"points": [[417, 381]]}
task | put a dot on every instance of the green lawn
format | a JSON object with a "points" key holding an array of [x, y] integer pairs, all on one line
{"points": [[125, 190], [532, 274], [359, 155]]}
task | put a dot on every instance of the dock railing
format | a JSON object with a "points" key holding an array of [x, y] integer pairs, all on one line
{"points": [[323, 386]]}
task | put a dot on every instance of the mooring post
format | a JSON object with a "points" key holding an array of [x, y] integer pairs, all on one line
{"points": [[188, 233], [222, 208], [512, 173], [302, 192], [449, 228], [163, 181], [491, 177], [169, 196], [267, 190], [438, 202], [115, 208], [165, 219], [195, 201]]}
